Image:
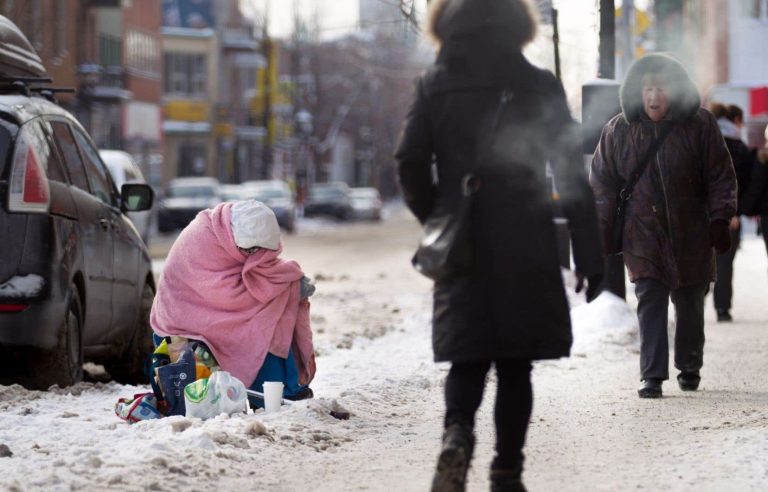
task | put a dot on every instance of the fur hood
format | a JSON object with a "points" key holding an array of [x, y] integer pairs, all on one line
{"points": [[684, 99], [514, 20]]}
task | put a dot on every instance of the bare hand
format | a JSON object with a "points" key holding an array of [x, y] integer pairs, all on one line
{"points": [[734, 224]]}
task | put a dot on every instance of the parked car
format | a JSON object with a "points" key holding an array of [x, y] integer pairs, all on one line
{"points": [[276, 195], [233, 193], [329, 199], [366, 203], [124, 169], [75, 276], [184, 199]]}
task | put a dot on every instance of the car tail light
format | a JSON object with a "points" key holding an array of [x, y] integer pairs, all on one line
{"points": [[13, 308], [29, 190]]}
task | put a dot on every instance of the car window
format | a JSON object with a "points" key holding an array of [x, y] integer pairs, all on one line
{"points": [[131, 174], [98, 176], [269, 193], [66, 144], [326, 192], [183, 191], [361, 194], [55, 170]]}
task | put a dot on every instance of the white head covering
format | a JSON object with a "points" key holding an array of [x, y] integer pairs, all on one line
{"points": [[254, 225]]}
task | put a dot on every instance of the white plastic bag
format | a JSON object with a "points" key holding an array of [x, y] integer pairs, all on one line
{"points": [[220, 393]]}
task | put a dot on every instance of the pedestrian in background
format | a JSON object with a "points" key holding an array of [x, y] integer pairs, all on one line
{"points": [[755, 200], [679, 209], [483, 109], [730, 119]]}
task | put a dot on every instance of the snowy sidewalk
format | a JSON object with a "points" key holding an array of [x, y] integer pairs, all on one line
{"points": [[589, 429]]}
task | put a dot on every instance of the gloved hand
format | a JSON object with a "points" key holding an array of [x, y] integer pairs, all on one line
{"points": [[593, 285], [307, 287], [720, 236]]}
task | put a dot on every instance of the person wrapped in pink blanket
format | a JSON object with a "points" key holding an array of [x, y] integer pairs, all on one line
{"points": [[225, 284]]}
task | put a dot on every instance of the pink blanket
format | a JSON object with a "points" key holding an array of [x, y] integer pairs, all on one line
{"points": [[241, 306]]}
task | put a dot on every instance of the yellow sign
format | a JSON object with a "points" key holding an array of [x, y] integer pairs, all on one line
{"points": [[224, 129], [642, 21], [184, 110]]}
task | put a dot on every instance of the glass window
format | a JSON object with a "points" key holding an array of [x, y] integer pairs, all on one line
{"points": [[98, 176], [55, 170], [66, 144], [185, 73]]}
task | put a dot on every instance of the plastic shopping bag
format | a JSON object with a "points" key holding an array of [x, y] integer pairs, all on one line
{"points": [[220, 393]]}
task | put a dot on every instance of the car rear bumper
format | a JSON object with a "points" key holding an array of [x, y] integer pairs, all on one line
{"points": [[175, 218], [323, 209], [37, 327]]}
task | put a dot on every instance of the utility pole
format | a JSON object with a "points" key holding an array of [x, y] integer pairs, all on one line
{"points": [[600, 102], [607, 68], [266, 50], [628, 44]]}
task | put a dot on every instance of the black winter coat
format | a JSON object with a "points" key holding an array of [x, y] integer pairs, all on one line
{"points": [[744, 162], [513, 304], [753, 200]]}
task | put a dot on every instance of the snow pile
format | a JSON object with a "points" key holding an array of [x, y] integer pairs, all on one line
{"points": [[607, 319], [22, 286]]}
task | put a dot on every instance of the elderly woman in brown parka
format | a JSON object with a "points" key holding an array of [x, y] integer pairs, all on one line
{"points": [[511, 308], [679, 209]]}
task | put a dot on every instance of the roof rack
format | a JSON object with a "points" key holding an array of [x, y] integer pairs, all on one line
{"points": [[24, 79], [50, 92]]}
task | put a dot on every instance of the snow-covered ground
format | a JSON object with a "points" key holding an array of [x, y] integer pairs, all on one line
{"points": [[371, 315]]}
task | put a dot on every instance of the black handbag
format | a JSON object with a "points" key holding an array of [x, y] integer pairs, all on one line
{"points": [[445, 250], [617, 233]]}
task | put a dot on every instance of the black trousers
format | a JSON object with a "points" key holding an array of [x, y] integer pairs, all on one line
{"points": [[652, 304], [723, 292], [514, 400]]}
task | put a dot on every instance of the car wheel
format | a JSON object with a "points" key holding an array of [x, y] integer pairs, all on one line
{"points": [[127, 366], [65, 366]]}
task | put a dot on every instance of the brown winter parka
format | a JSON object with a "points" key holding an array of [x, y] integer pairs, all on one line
{"points": [[689, 183]]}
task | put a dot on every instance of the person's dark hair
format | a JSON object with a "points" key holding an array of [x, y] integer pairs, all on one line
{"points": [[734, 113], [515, 19], [684, 98], [719, 110]]}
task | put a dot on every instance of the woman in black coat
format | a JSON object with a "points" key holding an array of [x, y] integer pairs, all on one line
{"points": [[511, 308], [730, 119], [755, 199]]}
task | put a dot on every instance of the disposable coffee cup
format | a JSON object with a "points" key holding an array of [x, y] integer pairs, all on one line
{"points": [[273, 396]]}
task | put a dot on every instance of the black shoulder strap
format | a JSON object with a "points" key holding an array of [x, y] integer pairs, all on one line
{"points": [[504, 98], [625, 192]]}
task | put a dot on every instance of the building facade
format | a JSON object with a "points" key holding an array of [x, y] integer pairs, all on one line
{"points": [[722, 42]]}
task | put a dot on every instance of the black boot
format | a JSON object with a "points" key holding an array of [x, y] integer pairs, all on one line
{"points": [[689, 380], [651, 388], [723, 315], [453, 462], [507, 481]]}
